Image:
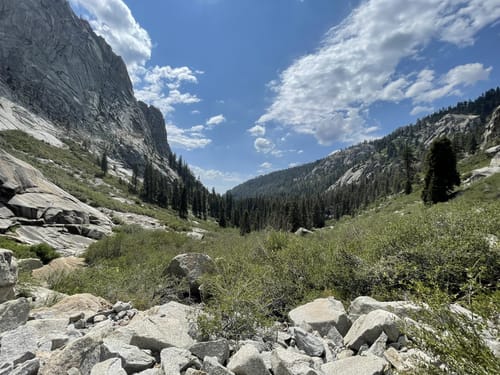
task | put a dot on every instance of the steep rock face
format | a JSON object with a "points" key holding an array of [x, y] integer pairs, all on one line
{"points": [[53, 63]]}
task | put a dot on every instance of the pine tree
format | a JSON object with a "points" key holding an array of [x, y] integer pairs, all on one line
{"points": [[441, 172], [245, 226], [408, 161], [104, 162], [183, 207]]}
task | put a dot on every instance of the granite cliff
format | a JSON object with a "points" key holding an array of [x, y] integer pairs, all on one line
{"points": [[54, 65]]}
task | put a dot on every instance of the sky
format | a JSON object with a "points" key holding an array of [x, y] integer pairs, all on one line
{"points": [[252, 86]]}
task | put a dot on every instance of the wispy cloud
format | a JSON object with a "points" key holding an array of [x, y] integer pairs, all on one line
{"points": [[328, 93], [216, 120]]}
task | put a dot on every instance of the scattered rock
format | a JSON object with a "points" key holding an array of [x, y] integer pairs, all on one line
{"points": [[13, 314], [176, 360], [247, 361], [322, 314], [288, 362], [133, 359], [211, 366], [367, 328], [29, 367], [310, 344], [73, 306], [19, 345], [109, 367], [363, 305], [358, 365], [217, 348]]}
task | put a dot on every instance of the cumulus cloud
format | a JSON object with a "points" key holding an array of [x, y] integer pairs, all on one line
{"points": [[266, 165], [257, 131], [421, 109], [263, 145], [188, 139], [220, 180], [216, 120], [328, 93], [156, 85]]}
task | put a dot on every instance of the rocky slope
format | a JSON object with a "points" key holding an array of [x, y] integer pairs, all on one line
{"points": [[83, 334], [53, 64], [369, 161]]}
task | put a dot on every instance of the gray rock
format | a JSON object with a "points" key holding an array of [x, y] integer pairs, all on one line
{"points": [[29, 367], [378, 347], [83, 353], [176, 360], [8, 275], [29, 264], [310, 344], [322, 314], [288, 362], [247, 361], [211, 366], [216, 348], [109, 367], [302, 232], [363, 305], [18, 345], [13, 314], [359, 365], [133, 359], [346, 353], [6, 368], [121, 306], [191, 266], [367, 328]]}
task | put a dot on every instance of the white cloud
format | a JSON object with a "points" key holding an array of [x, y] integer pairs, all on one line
{"points": [[113, 20], [159, 86], [266, 165], [220, 180], [327, 93], [197, 128], [257, 131], [189, 139], [421, 109], [263, 145], [195, 112], [291, 165], [216, 120]]}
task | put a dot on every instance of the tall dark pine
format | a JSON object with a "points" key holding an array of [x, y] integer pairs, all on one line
{"points": [[441, 172], [409, 170], [183, 208], [104, 162], [245, 226]]}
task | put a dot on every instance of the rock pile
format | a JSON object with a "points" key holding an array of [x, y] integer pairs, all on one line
{"points": [[83, 334]]}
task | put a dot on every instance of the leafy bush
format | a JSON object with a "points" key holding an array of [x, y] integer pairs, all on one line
{"points": [[44, 252]]}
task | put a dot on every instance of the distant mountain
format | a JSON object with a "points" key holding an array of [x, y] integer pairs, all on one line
{"points": [[53, 64], [379, 163]]}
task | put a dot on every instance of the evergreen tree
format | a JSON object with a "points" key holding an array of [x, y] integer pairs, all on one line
{"points": [[441, 172], [245, 226], [183, 207], [222, 215], [408, 161], [294, 217], [318, 215], [104, 162]]}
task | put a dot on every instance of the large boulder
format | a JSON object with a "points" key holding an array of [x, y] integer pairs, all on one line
{"points": [[132, 358], [359, 365], [289, 362], [363, 305], [322, 314], [19, 345], [215, 348], [176, 360], [368, 328], [211, 366], [13, 314], [192, 267], [85, 303], [168, 325], [8, 275], [111, 366], [247, 361], [310, 344]]}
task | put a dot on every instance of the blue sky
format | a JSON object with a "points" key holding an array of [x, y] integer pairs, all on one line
{"points": [[252, 86]]}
